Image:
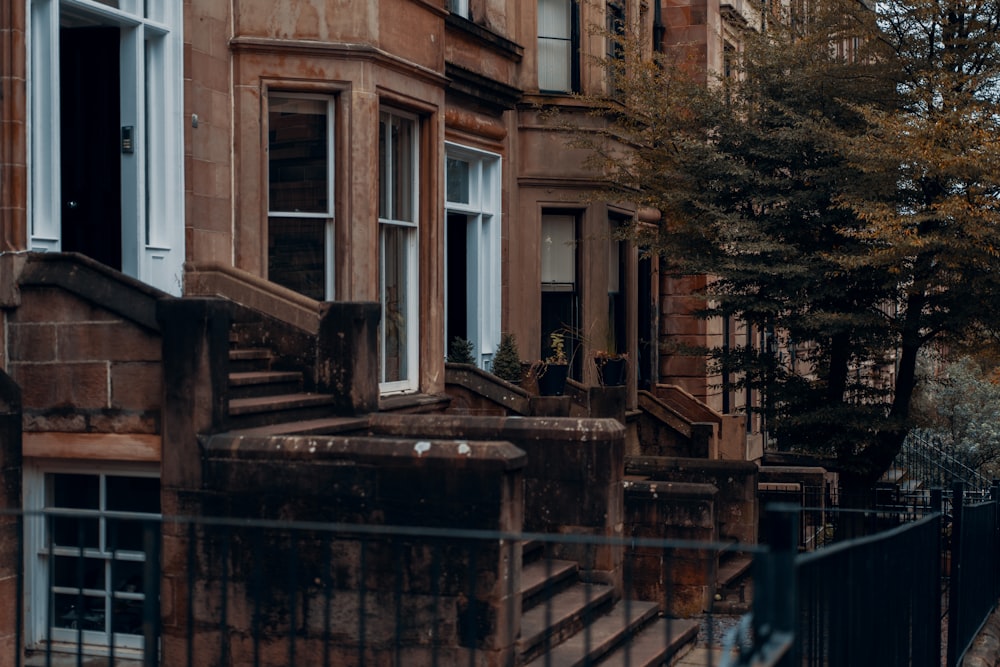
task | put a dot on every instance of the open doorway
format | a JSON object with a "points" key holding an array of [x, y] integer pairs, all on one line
{"points": [[107, 145], [89, 84]]}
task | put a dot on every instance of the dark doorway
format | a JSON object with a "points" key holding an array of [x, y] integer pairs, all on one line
{"points": [[91, 142], [458, 278], [646, 375]]}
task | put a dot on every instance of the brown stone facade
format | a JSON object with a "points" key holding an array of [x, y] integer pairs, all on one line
{"points": [[100, 370]]}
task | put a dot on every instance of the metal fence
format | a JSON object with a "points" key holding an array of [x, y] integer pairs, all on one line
{"points": [[974, 544], [216, 592], [105, 587], [916, 591]]}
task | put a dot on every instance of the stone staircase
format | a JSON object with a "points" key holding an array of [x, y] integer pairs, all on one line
{"points": [[734, 585], [566, 622], [266, 401]]}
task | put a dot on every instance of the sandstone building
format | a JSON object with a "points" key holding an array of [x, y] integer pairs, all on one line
{"points": [[347, 186]]}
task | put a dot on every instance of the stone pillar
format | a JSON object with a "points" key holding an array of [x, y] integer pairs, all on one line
{"points": [[195, 378], [347, 355]]}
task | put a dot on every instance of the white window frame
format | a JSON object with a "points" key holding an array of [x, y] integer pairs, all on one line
{"points": [[482, 211], [36, 554], [329, 233], [410, 296], [152, 177], [459, 7]]}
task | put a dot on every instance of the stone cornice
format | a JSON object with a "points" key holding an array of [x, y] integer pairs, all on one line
{"points": [[335, 50], [505, 47], [483, 89]]}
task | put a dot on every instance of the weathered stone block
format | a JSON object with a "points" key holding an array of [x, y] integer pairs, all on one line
{"points": [[65, 385], [97, 341], [136, 386], [32, 342]]}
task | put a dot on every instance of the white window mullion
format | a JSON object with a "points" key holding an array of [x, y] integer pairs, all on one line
{"points": [[46, 190]]}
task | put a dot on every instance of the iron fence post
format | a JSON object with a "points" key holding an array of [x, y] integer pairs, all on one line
{"points": [[151, 590], [954, 595], [776, 598], [995, 537]]}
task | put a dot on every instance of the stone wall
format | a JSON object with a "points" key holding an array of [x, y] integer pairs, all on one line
{"points": [[572, 476], [83, 345], [680, 580], [319, 593], [736, 481]]}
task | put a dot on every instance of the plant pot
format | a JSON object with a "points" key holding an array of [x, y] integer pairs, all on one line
{"points": [[552, 379], [611, 372]]}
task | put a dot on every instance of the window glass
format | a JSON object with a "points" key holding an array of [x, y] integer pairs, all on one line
{"points": [[457, 177], [300, 251], [297, 155], [398, 186], [395, 306], [555, 45], [558, 249], [92, 564]]}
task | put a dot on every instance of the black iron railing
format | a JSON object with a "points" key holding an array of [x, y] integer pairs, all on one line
{"points": [[974, 553], [222, 591], [204, 591]]}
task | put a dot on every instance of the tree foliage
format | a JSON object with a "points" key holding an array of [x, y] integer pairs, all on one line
{"points": [[960, 407], [841, 189]]}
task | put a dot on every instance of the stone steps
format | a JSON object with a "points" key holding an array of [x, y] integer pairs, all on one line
{"points": [[251, 384], [260, 397], [569, 623]]}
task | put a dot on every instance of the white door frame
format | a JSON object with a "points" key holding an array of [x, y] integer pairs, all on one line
{"points": [[152, 176]]}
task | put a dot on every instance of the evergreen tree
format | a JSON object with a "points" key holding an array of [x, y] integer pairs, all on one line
{"points": [[841, 190], [507, 361]]}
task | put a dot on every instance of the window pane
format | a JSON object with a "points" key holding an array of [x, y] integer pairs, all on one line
{"points": [[297, 155], [402, 156], [67, 614], [133, 494], [395, 315], [559, 249], [458, 181], [383, 166], [554, 18], [75, 491], [82, 573], [125, 534], [296, 255], [553, 64], [72, 532]]}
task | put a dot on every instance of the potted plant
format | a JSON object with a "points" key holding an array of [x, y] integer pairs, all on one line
{"points": [[552, 371], [507, 362], [612, 368]]}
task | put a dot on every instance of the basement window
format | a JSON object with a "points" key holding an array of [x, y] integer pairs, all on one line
{"points": [[85, 559]]}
